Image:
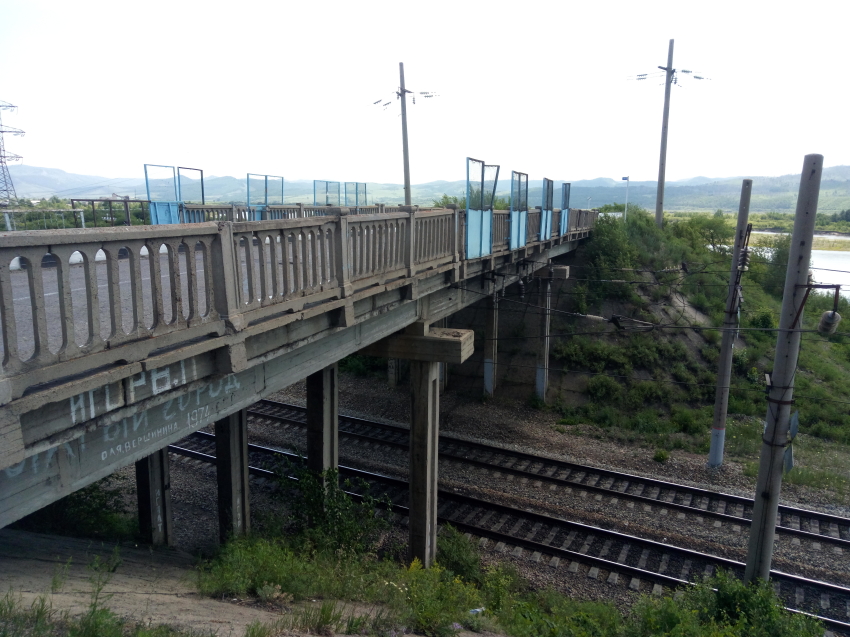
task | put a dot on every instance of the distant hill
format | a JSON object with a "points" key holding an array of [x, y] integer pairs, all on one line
{"points": [[697, 193]]}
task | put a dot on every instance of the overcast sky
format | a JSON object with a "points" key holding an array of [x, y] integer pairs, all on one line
{"points": [[286, 88]]}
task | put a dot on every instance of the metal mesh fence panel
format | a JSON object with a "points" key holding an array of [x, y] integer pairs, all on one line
{"points": [[565, 196], [519, 210], [275, 189], [491, 179], [191, 182], [256, 185], [355, 194], [474, 184], [326, 193], [161, 182]]}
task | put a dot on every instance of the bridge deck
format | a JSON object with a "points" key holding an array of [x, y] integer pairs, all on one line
{"points": [[160, 330]]}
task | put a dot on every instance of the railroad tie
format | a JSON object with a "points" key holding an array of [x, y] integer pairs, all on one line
{"points": [[516, 527], [570, 537], [657, 589], [501, 523], [709, 570], [444, 506], [534, 530], [549, 471], [824, 601], [799, 596], [613, 577], [593, 573], [552, 533], [483, 542], [653, 492], [686, 499], [635, 584], [704, 502], [605, 548], [669, 496], [624, 553], [573, 567], [814, 526], [586, 547], [469, 516], [686, 570], [500, 547], [485, 518], [794, 522], [593, 480], [517, 552], [721, 506], [554, 562], [848, 608], [664, 561], [623, 486], [643, 557], [833, 530], [535, 557], [639, 489]]}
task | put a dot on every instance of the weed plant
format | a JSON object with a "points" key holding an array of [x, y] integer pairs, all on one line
{"points": [[656, 387]]}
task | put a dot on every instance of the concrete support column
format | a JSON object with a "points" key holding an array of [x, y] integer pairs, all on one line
{"points": [[322, 420], [541, 384], [153, 487], [394, 372], [231, 450], [424, 435], [491, 333]]}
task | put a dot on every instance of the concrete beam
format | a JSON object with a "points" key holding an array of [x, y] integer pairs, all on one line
{"points": [[323, 420], [231, 450], [553, 272], [424, 436], [153, 489], [440, 345]]}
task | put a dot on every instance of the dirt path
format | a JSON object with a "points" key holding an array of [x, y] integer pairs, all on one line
{"points": [[155, 586]]}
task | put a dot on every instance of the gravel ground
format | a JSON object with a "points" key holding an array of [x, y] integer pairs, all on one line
{"points": [[503, 423]]}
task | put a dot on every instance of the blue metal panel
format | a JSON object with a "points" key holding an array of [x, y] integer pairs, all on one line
{"points": [[519, 210], [163, 212], [473, 233], [565, 208], [546, 211]]}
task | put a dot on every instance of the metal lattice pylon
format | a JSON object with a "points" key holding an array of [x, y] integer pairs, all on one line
{"points": [[7, 189]]}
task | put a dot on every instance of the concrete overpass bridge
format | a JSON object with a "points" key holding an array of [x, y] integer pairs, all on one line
{"points": [[117, 342]]}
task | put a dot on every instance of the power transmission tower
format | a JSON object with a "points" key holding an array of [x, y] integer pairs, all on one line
{"points": [[671, 78], [401, 94], [7, 189]]}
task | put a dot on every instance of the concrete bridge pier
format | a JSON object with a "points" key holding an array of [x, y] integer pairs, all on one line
{"points": [[426, 348], [231, 449], [491, 333], [424, 437], [323, 419], [153, 488], [541, 381]]}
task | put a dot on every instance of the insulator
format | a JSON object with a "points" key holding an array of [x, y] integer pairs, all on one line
{"points": [[829, 322], [744, 260], [521, 289]]}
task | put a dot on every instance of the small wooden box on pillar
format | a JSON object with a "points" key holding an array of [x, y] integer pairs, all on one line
{"points": [[426, 352]]}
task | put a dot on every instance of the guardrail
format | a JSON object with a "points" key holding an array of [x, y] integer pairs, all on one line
{"points": [[71, 300]]}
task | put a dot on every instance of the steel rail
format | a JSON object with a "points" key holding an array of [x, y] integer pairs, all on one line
{"points": [[541, 547], [603, 473]]}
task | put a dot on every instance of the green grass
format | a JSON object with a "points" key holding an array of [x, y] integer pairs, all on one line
{"points": [[656, 388]]}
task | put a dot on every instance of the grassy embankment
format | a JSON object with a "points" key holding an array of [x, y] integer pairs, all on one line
{"points": [[656, 388]]}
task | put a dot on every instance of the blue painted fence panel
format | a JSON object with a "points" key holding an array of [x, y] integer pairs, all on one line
{"points": [[163, 212], [519, 229]]}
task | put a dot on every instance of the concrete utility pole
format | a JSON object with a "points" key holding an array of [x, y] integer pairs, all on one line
{"points": [[730, 323], [775, 437], [662, 163], [403, 95]]}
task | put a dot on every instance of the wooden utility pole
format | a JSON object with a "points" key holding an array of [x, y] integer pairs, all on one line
{"points": [[662, 163], [403, 96], [730, 323], [781, 390]]}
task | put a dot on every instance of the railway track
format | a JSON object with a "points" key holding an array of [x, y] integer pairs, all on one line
{"points": [[617, 558], [800, 524]]}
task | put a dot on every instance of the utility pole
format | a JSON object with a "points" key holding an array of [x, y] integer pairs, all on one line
{"points": [[781, 390], [7, 189], [403, 95], [662, 163], [730, 323]]}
